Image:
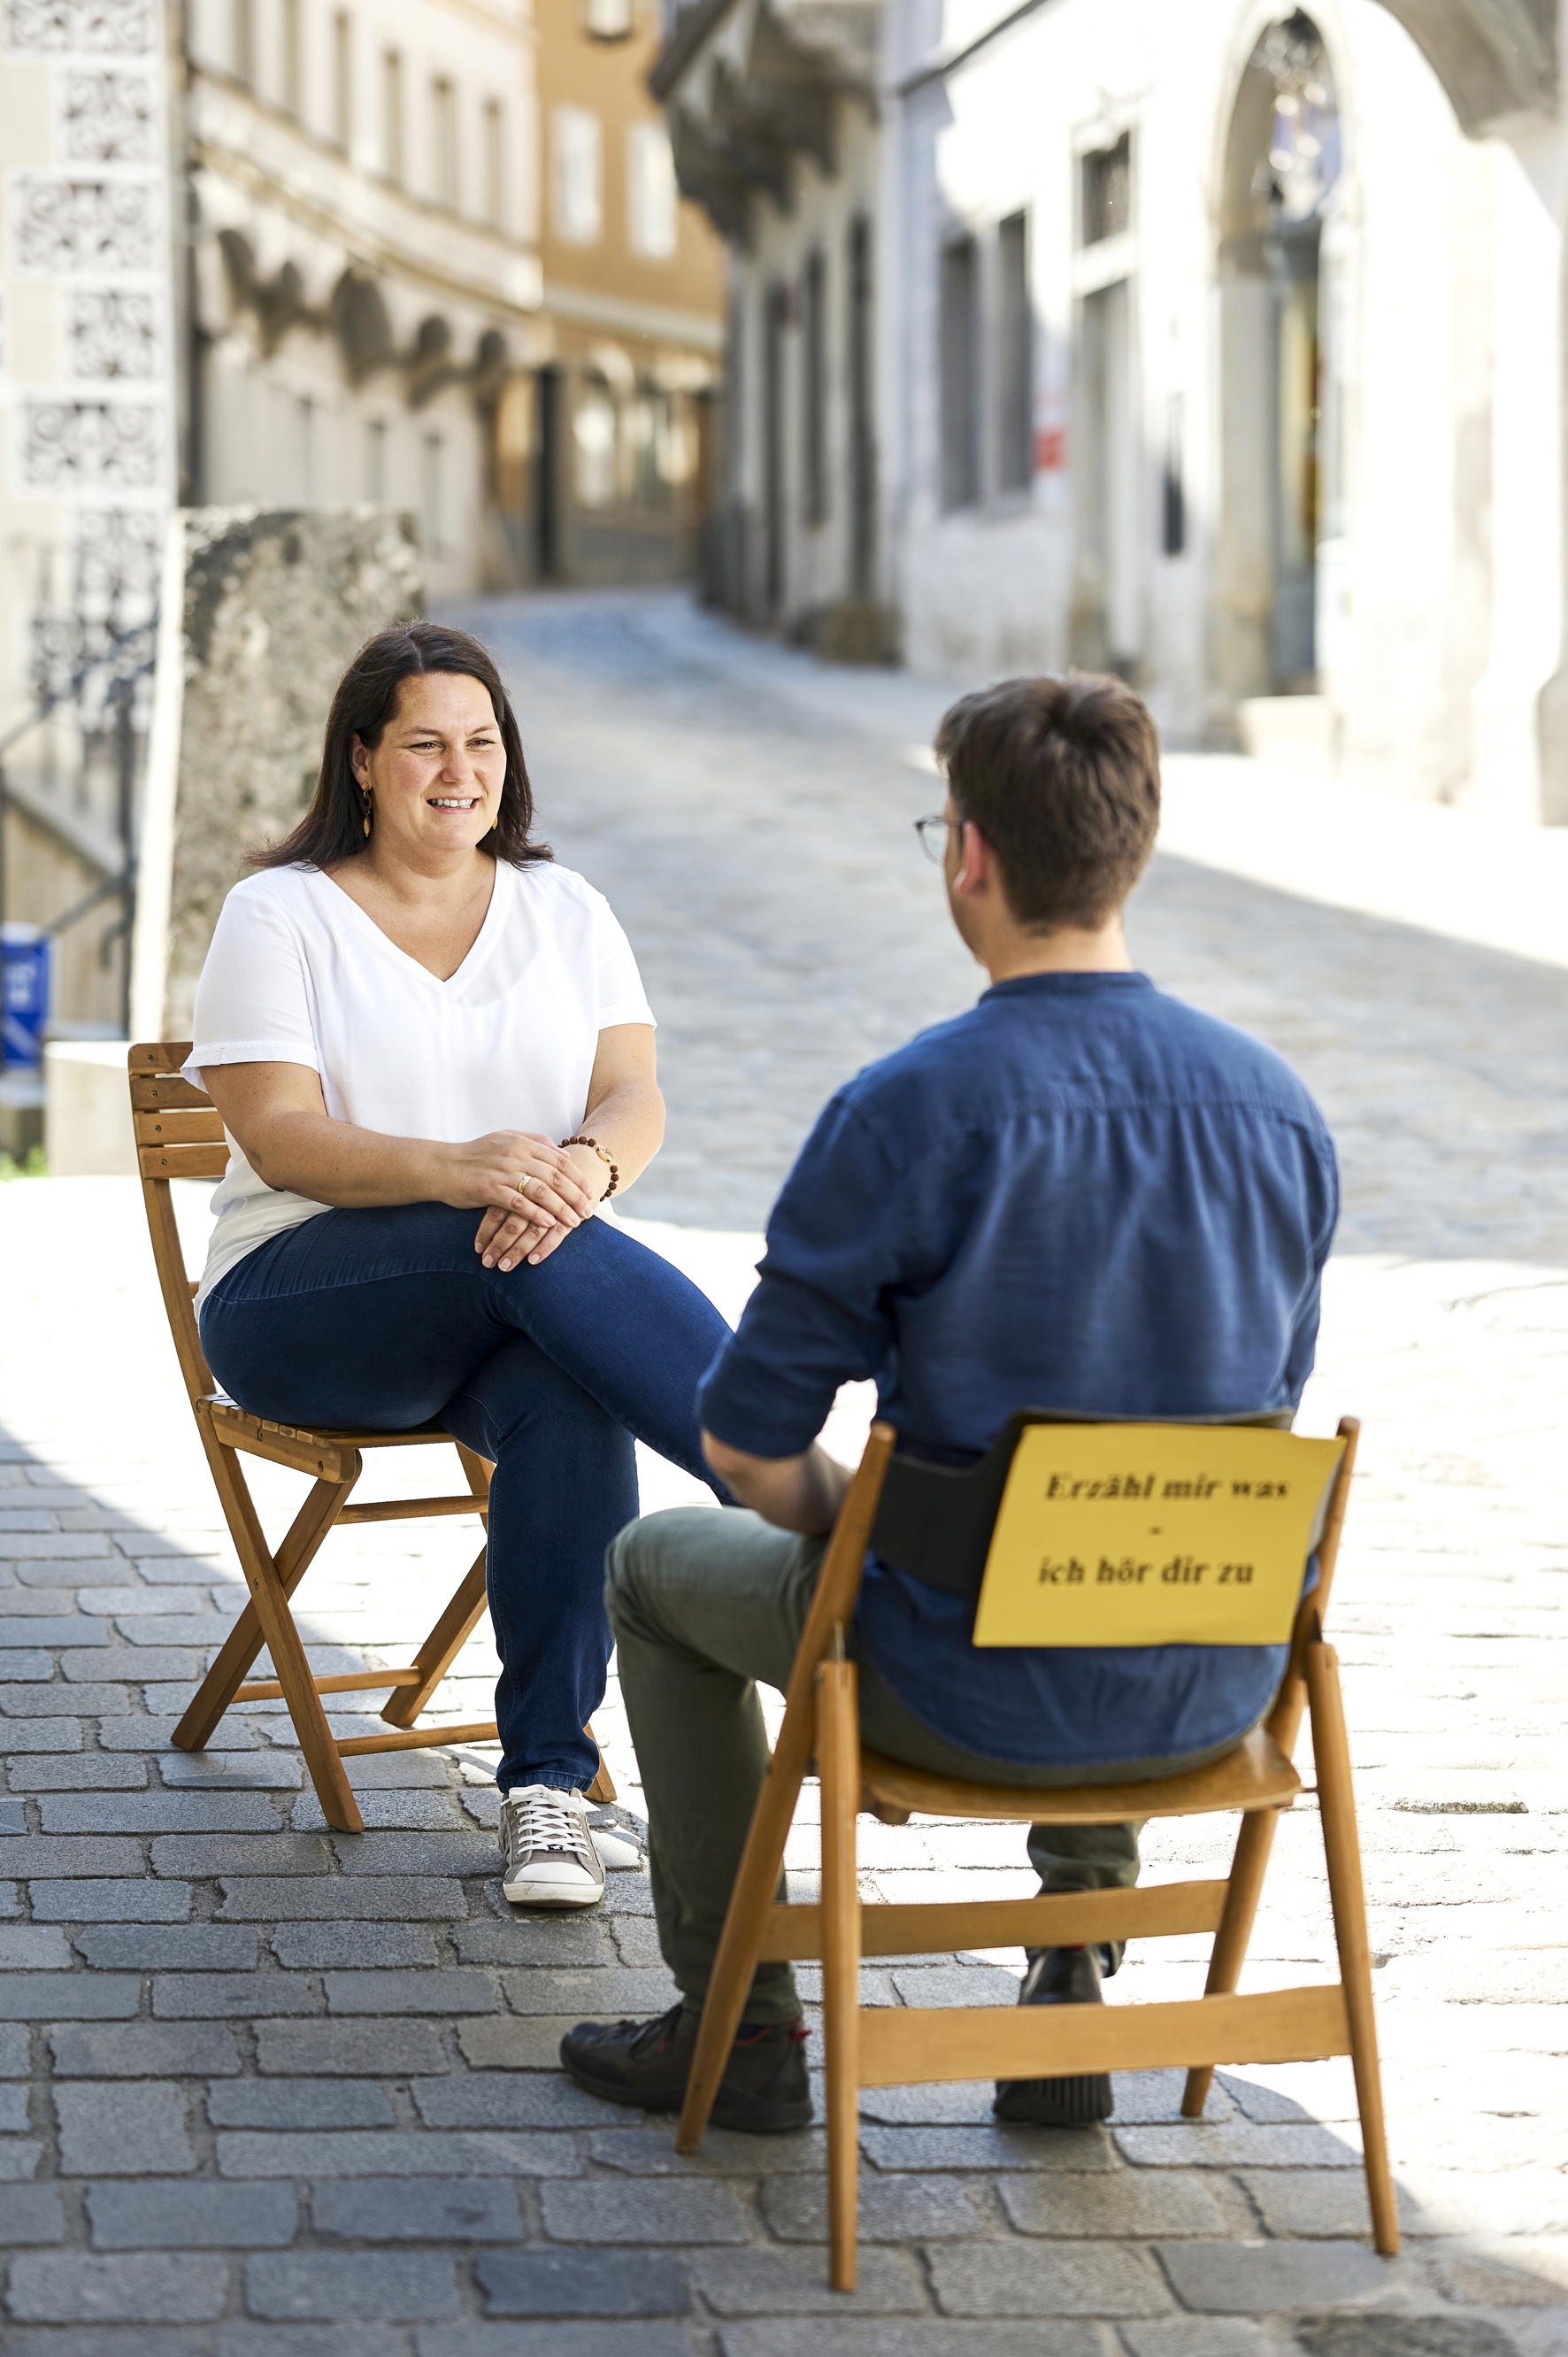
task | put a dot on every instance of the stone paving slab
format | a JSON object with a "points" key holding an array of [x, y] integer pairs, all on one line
{"points": [[269, 2093]]}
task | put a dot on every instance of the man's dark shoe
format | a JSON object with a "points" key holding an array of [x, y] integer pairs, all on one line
{"points": [[1058, 1976], [645, 2064]]}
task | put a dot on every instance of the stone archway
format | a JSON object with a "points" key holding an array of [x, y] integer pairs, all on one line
{"points": [[1493, 58]]}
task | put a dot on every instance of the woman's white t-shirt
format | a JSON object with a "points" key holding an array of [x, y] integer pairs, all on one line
{"points": [[297, 974]]}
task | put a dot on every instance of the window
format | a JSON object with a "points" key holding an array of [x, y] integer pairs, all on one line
{"points": [[650, 195], [1107, 191], [245, 42], [814, 387], [495, 163], [433, 495], [376, 461], [960, 409], [342, 78], [392, 115], [608, 20], [293, 65], [443, 142], [576, 184], [1015, 357]]}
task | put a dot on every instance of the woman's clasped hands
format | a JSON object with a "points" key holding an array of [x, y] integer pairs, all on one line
{"points": [[534, 1193]]}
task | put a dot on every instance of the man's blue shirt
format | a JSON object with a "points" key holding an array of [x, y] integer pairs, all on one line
{"points": [[1082, 1195]]}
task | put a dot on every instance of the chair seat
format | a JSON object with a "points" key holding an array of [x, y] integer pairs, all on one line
{"points": [[221, 1405], [1256, 1775]]}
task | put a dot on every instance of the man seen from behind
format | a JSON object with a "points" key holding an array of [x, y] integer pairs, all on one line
{"points": [[1082, 1196]]}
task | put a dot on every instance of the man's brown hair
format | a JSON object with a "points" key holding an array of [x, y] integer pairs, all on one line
{"points": [[1062, 778]]}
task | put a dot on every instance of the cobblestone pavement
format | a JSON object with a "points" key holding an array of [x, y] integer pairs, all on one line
{"points": [[748, 814], [267, 2091]]}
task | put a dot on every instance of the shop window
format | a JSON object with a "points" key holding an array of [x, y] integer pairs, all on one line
{"points": [[593, 438]]}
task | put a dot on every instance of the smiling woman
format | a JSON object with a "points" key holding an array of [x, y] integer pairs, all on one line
{"points": [[411, 1015]]}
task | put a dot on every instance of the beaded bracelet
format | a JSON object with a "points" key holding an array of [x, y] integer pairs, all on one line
{"points": [[598, 1149]]}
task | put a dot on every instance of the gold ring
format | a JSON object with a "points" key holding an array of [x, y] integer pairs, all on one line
{"points": [[523, 1185]]}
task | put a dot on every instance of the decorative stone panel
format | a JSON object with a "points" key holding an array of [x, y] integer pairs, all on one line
{"points": [[77, 445], [65, 224], [111, 27], [109, 118], [118, 553], [111, 332]]}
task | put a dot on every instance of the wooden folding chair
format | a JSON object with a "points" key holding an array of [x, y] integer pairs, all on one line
{"points": [[903, 2046], [179, 1135]]}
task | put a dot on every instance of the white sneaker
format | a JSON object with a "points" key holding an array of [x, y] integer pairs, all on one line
{"points": [[549, 1856]]}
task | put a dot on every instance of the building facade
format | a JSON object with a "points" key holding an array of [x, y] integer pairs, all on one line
{"points": [[774, 119], [419, 255], [612, 439], [362, 260], [1220, 346]]}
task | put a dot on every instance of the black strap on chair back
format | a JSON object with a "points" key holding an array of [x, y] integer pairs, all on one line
{"points": [[935, 1521]]}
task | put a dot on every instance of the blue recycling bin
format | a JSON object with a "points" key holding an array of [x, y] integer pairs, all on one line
{"points": [[25, 1000]]}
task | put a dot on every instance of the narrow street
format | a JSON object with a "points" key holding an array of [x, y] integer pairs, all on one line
{"points": [[272, 2093]]}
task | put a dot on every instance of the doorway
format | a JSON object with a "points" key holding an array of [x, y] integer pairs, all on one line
{"points": [[1281, 170]]}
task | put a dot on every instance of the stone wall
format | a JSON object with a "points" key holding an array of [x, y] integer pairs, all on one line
{"points": [[275, 602]]}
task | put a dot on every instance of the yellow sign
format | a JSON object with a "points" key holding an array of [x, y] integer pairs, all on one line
{"points": [[1152, 1535]]}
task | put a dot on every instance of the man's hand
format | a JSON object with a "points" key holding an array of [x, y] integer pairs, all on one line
{"points": [[794, 1493]]}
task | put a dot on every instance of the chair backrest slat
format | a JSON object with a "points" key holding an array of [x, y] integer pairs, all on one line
{"points": [[147, 1094], [179, 1136], [183, 1125]]}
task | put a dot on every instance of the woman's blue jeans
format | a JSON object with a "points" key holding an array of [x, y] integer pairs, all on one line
{"points": [[388, 1318]]}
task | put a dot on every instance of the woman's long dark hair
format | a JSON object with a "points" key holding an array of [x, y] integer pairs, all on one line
{"points": [[333, 828]]}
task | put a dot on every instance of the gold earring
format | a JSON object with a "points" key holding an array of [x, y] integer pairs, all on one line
{"points": [[365, 790]]}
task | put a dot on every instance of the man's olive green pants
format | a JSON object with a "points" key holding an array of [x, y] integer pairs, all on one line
{"points": [[702, 1604]]}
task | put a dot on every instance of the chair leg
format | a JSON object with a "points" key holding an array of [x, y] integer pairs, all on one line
{"points": [[245, 1641], [729, 1984], [286, 1646], [603, 1789], [838, 1762], [1342, 1848], [457, 1623], [1247, 1867], [440, 1648]]}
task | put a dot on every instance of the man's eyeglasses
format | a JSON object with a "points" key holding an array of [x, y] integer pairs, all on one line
{"points": [[933, 835]]}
